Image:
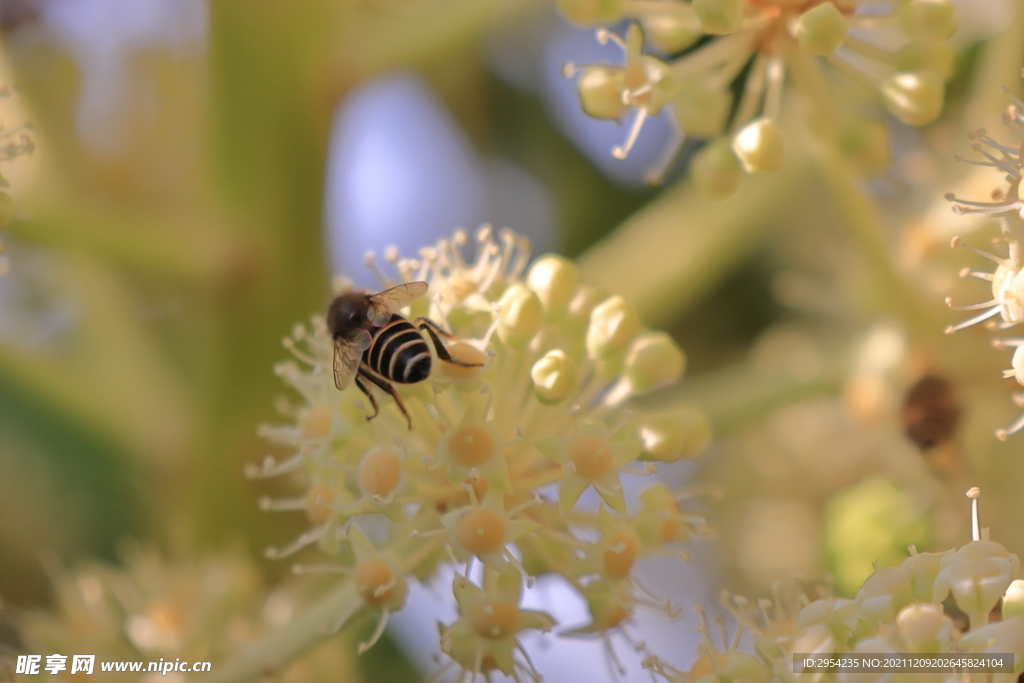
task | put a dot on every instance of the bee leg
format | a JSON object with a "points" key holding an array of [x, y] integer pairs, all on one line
{"points": [[386, 386], [373, 401], [424, 320], [442, 353]]}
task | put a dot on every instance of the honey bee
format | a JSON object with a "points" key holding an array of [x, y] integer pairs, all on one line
{"points": [[930, 412], [373, 342]]}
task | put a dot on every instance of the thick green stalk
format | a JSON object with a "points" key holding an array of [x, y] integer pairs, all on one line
{"points": [[676, 248], [859, 211]]}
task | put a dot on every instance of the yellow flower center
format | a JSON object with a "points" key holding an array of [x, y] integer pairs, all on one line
{"points": [[480, 532], [592, 457], [319, 503], [495, 620], [375, 582], [471, 446], [317, 424], [379, 473], [621, 554]]}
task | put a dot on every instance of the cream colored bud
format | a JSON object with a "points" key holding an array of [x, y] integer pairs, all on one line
{"points": [[654, 360], [977, 575], [923, 568], [520, 317], [1008, 289], [1003, 636], [1013, 600], [719, 16], [865, 143], [671, 32], [555, 377], [716, 171], [924, 628], [1017, 363], [914, 97], [554, 280], [933, 20], [821, 30], [681, 433], [701, 108], [760, 145], [613, 324], [591, 12], [600, 89], [884, 594], [922, 55]]}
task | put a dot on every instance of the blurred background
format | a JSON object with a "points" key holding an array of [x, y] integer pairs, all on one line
{"points": [[202, 169]]}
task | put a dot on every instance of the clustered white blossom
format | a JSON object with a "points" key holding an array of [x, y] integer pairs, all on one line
{"points": [[687, 57], [498, 456], [898, 610], [1005, 309]]}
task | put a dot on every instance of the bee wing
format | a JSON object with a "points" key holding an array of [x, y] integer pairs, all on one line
{"points": [[348, 353], [383, 304]]}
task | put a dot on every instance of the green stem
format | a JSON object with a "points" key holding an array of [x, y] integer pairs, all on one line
{"points": [[272, 655], [678, 247], [860, 214], [737, 395]]}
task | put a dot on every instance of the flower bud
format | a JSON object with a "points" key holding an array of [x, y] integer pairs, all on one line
{"points": [[933, 20], [654, 359], [977, 575], [716, 171], [379, 473], [613, 324], [600, 89], [317, 423], [924, 628], [555, 377], [701, 109], [1017, 363], [884, 594], [672, 32], [914, 97], [865, 143], [1003, 636], [921, 55], [379, 585], [520, 317], [719, 16], [554, 280], [464, 352], [760, 145], [1013, 600], [591, 12], [682, 433], [1010, 294], [319, 503], [821, 29], [923, 568]]}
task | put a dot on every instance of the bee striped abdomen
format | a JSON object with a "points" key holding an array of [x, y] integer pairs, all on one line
{"points": [[399, 352]]}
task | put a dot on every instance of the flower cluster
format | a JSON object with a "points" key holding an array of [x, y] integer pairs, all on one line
{"points": [[1006, 307], [152, 607], [907, 609], [497, 456], [762, 42]]}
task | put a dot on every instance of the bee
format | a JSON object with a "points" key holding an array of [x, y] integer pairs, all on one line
{"points": [[374, 343], [930, 412]]}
